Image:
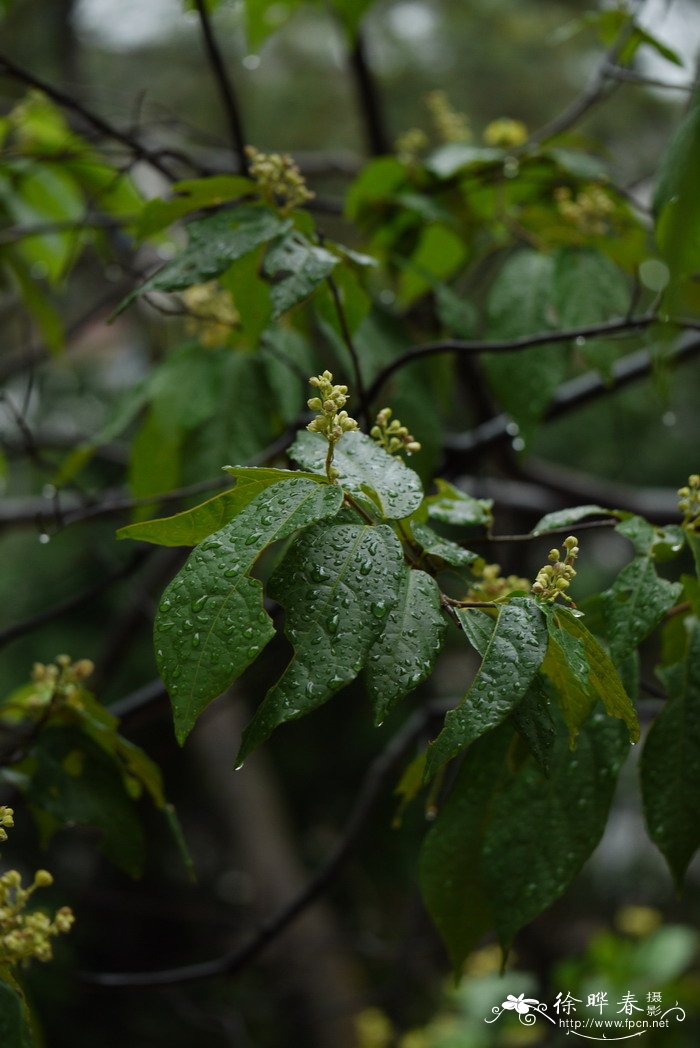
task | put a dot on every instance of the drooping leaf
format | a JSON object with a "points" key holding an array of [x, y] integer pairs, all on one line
{"points": [[452, 506], [404, 655], [582, 672], [450, 874], [364, 468], [77, 783], [213, 244], [543, 828], [296, 268], [635, 604], [670, 764], [211, 623], [338, 586], [561, 518], [514, 652], [676, 200]]}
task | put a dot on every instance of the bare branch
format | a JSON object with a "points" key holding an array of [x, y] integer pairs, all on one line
{"points": [[153, 157], [352, 350], [375, 130], [225, 86]]}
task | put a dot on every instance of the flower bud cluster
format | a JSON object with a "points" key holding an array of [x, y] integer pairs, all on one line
{"points": [[26, 936], [391, 435], [279, 180], [450, 125], [689, 503], [60, 681], [505, 133], [210, 313], [332, 421], [6, 821], [410, 145], [554, 579], [491, 585], [589, 210]]}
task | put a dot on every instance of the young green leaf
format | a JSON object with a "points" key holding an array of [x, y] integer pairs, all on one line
{"points": [[543, 828], [192, 526], [338, 586], [512, 656], [445, 549], [404, 655], [582, 672], [211, 623], [363, 468], [670, 764], [450, 875]]}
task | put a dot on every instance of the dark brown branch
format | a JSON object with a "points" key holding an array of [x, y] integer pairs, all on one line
{"points": [[351, 348], [98, 123], [543, 338], [379, 773], [570, 395], [375, 130], [225, 86], [78, 600]]}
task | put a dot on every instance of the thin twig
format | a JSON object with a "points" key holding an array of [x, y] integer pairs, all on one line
{"points": [[542, 338], [570, 395], [76, 225], [378, 774], [351, 348], [154, 158], [630, 76], [225, 86]]}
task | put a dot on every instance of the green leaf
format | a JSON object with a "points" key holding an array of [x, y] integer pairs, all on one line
{"points": [[694, 543], [439, 253], [15, 1028], [445, 549], [190, 195], [670, 764], [192, 526], [582, 672], [676, 200], [404, 655], [251, 295], [532, 719], [561, 518], [635, 604], [511, 657], [543, 828], [77, 783], [213, 244], [211, 623], [377, 181], [155, 462], [520, 304], [363, 468], [452, 506], [449, 870], [589, 288], [296, 268], [337, 586]]}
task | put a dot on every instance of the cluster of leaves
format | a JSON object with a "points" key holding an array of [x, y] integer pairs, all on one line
{"points": [[517, 239]]}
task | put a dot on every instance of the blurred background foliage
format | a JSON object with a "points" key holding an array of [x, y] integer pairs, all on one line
{"points": [[364, 968]]}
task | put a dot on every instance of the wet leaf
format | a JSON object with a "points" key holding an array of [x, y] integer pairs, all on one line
{"points": [[211, 623], [338, 586], [561, 518], [404, 655]]}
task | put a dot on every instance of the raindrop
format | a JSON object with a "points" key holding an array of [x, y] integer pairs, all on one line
{"points": [[195, 641], [579, 341], [164, 605], [199, 603], [253, 537], [333, 624], [378, 609], [44, 538], [365, 567], [253, 651]]}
